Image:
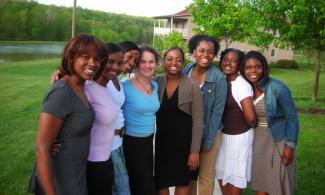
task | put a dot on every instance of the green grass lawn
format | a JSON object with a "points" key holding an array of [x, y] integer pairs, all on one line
{"points": [[24, 84], [301, 83]]}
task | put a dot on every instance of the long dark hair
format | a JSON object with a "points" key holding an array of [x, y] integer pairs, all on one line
{"points": [[239, 54], [77, 46], [256, 55]]}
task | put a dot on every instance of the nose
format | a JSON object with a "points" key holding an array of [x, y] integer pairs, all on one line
{"points": [[174, 61], [92, 61]]}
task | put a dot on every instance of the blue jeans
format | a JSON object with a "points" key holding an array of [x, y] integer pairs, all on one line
{"points": [[121, 179]]}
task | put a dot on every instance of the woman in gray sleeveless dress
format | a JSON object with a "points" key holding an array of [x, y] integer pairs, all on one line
{"points": [[274, 163], [67, 117]]}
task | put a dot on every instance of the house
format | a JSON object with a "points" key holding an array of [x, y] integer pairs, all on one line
{"points": [[182, 22]]}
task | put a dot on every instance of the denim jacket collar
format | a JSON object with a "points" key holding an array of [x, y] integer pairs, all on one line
{"points": [[210, 75], [262, 83]]}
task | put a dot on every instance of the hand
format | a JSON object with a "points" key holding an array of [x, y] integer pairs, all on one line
{"points": [[193, 160], [54, 76], [55, 148], [287, 156], [205, 149]]}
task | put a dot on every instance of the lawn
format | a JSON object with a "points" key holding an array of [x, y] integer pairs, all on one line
{"points": [[24, 84]]}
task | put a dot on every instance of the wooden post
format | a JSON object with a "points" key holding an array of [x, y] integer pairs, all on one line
{"points": [[73, 30]]}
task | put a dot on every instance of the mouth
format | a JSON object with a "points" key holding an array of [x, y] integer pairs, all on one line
{"points": [[173, 68], [90, 70], [204, 60], [227, 68]]}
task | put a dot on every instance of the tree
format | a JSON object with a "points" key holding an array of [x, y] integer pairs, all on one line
{"points": [[163, 43], [228, 20], [301, 26]]}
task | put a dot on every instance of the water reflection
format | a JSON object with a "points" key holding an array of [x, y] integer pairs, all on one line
{"points": [[20, 51]]}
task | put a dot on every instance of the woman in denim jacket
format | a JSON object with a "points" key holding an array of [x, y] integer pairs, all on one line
{"points": [[273, 168], [214, 90]]}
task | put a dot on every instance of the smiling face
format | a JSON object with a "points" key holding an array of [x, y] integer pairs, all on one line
{"points": [[113, 66], [230, 63], [204, 54], [173, 62], [86, 65], [130, 58], [147, 64], [253, 70]]}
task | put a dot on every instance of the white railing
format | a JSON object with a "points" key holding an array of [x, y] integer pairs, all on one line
{"points": [[166, 31]]}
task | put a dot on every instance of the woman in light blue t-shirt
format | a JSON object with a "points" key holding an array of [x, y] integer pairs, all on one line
{"points": [[140, 107]]}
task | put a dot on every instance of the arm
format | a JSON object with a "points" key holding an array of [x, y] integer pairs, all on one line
{"points": [[217, 112], [54, 76], [197, 129], [48, 130], [286, 102], [249, 111], [287, 105]]}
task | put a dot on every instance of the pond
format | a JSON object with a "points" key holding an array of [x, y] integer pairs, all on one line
{"points": [[13, 51]]}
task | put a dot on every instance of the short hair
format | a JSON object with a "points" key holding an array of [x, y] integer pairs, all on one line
{"points": [[258, 56], [150, 50], [77, 46], [239, 54], [129, 46], [112, 48], [194, 42], [174, 48]]}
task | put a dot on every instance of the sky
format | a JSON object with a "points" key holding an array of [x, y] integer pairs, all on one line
{"points": [[147, 8]]}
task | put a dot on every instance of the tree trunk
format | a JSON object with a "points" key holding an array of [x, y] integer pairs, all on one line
{"points": [[226, 42], [317, 73], [73, 27]]}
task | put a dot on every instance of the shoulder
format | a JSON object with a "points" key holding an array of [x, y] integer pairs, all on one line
{"points": [[241, 88], [188, 82], [90, 85], [277, 86], [240, 81], [154, 84], [214, 74], [60, 87], [126, 83], [188, 67], [159, 78]]}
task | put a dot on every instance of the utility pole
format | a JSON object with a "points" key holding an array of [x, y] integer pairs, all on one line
{"points": [[73, 30]]}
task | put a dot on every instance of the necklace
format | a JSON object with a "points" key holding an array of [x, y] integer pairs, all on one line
{"points": [[142, 85]]}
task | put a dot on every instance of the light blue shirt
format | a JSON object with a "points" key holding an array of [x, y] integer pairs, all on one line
{"points": [[140, 110]]}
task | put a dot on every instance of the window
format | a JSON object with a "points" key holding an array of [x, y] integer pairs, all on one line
{"points": [[272, 52]]}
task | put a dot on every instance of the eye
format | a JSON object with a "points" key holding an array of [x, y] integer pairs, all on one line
{"points": [[84, 56], [120, 63], [111, 61]]}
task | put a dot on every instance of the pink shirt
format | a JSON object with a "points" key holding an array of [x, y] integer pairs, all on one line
{"points": [[102, 131]]}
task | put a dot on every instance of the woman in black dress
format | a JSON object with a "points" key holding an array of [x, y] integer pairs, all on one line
{"points": [[179, 126]]}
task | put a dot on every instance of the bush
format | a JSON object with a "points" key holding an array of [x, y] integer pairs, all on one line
{"points": [[289, 64]]}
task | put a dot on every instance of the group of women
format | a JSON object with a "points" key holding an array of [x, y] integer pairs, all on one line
{"points": [[98, 135]]}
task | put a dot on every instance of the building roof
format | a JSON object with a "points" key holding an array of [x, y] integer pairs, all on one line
{"points": [[183, 13]]}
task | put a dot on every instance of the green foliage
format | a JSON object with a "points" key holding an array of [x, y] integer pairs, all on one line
{"points": [[28, 20], [229, 20], [174, 39], [289, 64], [300, 23], [163, 43]]}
